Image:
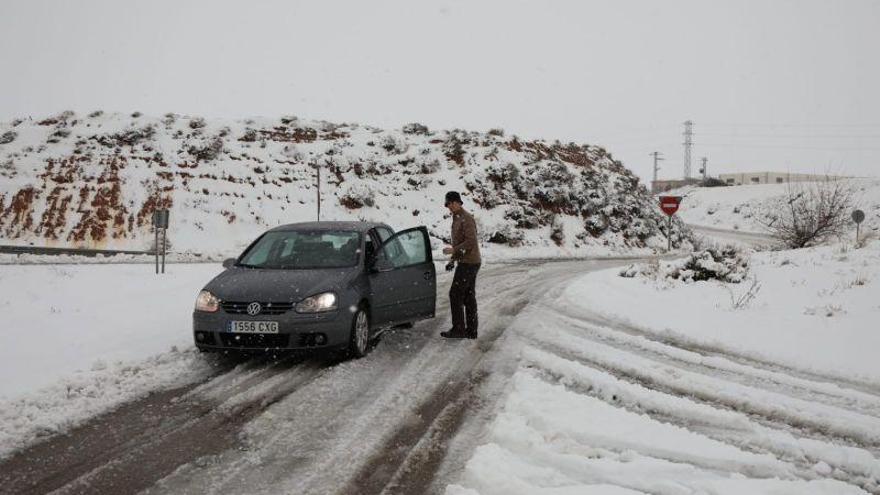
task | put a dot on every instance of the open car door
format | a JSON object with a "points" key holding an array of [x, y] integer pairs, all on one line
{"points": [[403, 279]]}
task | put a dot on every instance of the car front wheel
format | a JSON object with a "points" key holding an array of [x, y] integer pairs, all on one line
{"points": [[360, 335]]}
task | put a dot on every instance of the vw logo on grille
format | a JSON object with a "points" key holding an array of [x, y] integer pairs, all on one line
{"points": [[254, 308]]}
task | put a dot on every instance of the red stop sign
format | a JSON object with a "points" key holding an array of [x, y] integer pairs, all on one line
{"points": [[669, 204]]}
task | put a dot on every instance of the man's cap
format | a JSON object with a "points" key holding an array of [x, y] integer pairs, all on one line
{"points": [[453, 196]]}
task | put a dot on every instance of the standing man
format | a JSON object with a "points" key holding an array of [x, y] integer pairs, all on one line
{"points": [[466, 251]]}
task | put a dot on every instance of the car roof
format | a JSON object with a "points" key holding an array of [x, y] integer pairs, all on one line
{"points": [[310, 226]]}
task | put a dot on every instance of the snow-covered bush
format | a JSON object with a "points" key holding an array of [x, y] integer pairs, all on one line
{"points": [[507, 235], [208, 151], [356, 196], [725, 264], [197, 123], [415, 128], [129, 137], [557, 231], [393, 145], [8, 137], [249, 136]]}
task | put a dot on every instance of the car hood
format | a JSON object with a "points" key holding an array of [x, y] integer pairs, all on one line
{"points": [[254, 284]]}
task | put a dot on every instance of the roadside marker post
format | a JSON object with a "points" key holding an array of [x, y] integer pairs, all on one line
{"points": [[858, 217], [160, 222], [669, 205]]}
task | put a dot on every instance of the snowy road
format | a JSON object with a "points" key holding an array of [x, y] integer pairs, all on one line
{"points": [[727, 236], [551, 395], [315, 426]]}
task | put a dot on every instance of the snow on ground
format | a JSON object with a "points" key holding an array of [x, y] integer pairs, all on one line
{"points": [[813, 310], [739, 207], [80, 339], [647, 386]]}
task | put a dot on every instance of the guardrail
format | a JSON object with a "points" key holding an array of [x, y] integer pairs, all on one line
{"points": [[69, 251]]}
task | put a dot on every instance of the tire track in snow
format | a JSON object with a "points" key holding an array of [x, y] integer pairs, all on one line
{"points": [[128, 449], [722, 425], [681, 342], [793, 426], [409, 462], [828, 393], [316, 439]]}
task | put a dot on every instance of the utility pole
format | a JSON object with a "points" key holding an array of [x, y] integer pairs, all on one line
{"points": [[658, 157], [688, 144], [704, 169]]}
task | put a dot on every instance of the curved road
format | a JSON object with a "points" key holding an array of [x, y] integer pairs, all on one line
{"points": [[406, 418], [375, 425]]}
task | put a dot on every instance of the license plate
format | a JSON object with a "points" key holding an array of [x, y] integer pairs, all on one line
{"points": [[252, 327]]}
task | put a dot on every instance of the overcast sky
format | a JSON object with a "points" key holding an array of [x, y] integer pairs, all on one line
{"points": [[770, 85]]}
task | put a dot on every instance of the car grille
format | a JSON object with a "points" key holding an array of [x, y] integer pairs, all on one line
{"points": [[257, 341], [268, 308]]}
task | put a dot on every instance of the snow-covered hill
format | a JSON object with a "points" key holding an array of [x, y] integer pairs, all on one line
{"points": [[740, 207], [94, 181]]}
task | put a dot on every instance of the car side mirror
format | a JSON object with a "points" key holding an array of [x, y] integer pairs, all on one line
{"points": [[229, 262]]}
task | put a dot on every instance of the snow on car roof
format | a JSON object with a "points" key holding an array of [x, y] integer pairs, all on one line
{"points": [[356, 226]]}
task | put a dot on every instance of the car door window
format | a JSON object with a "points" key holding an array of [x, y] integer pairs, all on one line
{"points": [[384, 233], [371, 242], [406, 248]]}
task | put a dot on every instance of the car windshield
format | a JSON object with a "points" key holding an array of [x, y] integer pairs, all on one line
{"points": [[292, 250]]}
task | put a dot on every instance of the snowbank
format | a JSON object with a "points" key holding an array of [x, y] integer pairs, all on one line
{"points": [[80, 339], [813, 310]]}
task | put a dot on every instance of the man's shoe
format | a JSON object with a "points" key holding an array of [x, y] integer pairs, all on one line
{"points": [[471, 335], [452, 334]]}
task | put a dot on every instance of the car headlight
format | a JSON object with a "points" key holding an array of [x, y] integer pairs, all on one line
{"points": [[207, 302], [317, 303]]}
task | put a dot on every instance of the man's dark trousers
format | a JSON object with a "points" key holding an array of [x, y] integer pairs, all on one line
{"points": [[463, 297]]}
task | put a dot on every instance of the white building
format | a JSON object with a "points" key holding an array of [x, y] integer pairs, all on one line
{"points": [[770, 178]]}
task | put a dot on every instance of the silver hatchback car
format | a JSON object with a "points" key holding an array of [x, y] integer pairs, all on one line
{"points": [[319, 285]]}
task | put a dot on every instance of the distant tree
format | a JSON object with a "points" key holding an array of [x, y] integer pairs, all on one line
{"points": [[811, 213]]}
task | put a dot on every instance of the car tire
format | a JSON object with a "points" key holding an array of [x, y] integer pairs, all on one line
{"points": [[359, 343]]}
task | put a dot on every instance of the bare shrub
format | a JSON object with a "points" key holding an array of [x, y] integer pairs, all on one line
{"points": [[8, 137], [742, 300], [811, 213]]}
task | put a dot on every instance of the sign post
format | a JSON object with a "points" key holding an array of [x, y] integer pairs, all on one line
{"points": [[317, 167], [669, 205], [858, 217], [160, 222]]}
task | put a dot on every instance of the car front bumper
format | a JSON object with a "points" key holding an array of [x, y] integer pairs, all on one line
{"points": [[295, 331]]}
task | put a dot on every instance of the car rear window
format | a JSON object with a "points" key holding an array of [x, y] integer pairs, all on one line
{"points": [[292, 250]]}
